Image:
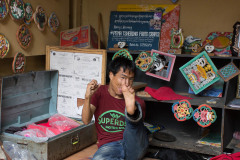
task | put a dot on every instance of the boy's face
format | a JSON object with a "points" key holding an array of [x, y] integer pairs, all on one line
{"points": [[116, 81]]}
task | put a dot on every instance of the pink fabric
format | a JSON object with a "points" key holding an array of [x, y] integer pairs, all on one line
{"points": [[56, 124], [44, 124], [62, 123], [164, 93], [44, 129]]}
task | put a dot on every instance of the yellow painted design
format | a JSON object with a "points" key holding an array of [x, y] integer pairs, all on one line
{"points": [[202, 71], [150, 7]]}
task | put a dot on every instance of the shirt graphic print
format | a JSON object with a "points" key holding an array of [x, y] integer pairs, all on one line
{"points": [[112, 121]]}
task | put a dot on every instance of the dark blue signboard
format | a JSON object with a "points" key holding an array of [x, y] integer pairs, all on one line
{"points": [[140, 30]]}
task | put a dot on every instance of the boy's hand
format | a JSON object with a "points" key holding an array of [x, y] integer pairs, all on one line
{"points": [[129, 97], [91, 88]]}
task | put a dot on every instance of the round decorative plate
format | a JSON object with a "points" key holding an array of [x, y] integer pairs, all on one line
{"points": [[182, 110], [24, 36], [204, 115], [4, 46], [40, 18], [3, 9], [53, 22], [19, 63], [28, 13], [17, 10], [144, 61]]}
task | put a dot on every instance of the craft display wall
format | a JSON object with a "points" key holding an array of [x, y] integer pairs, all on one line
{"points": [[40, 39]]}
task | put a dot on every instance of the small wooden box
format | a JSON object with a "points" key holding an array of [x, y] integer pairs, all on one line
{"points": [[31, 98]]}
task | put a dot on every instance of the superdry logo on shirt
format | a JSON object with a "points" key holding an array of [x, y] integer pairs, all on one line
{"points": [[112, 121]]}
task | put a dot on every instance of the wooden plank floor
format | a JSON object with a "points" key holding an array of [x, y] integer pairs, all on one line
{"points": [[89, 152]]}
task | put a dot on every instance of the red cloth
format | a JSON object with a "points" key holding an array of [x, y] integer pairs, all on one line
{"points": [[234, 156], [164, 93]]}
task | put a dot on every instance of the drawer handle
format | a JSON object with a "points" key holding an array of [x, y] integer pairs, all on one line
{"points": [[75, 140]]}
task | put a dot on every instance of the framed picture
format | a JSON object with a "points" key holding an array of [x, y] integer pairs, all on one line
{"points": [[228, 71], [200, 72], [162, 65], [235, 47], [238, 88]]}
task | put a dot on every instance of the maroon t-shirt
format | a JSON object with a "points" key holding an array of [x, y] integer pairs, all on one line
{"points": [[109, 115]]}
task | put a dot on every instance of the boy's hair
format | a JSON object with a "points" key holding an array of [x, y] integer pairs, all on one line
{"points": [[121, 62]]}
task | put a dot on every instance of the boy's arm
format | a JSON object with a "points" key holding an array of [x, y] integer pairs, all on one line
{"points": [[89, 109]]}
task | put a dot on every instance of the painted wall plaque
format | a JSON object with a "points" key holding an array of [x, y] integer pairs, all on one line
{"points": [[24, 36], [53, 22], [3, 9], [40, 18], [17, 10], [19, 63], [4, 46], [28, 13]]}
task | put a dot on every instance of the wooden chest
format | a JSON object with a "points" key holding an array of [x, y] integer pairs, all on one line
{"points": [[31, 98]]}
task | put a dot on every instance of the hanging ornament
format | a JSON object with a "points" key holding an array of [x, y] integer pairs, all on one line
{"points": [[204, 115], [19, 63], [144, 61], [4, 46], [3, 9], [24, 36], [17, 10], [40, 18], [53, 22], [28, 13], [182, 110]]}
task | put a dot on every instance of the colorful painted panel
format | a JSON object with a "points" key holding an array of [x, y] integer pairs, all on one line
{"points": [[24, 36], [228, 71], [162, 65], [200, 72], [19, 63], [4, 46], [204, 115], [3, 9], [17, 10], [221, 41], [182, 110]]}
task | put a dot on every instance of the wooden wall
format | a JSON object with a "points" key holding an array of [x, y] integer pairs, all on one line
{"points": [[197, 17]]}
